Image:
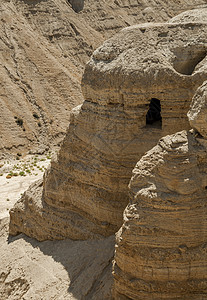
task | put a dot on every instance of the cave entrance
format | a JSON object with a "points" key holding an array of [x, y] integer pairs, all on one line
{"points": [[77, 5], [153, 116]]}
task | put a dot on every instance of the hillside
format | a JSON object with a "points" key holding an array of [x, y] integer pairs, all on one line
{"points": [[44, 47]]}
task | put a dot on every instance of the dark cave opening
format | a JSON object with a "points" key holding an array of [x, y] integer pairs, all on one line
{"points": [[77, 5], [153, 115]]}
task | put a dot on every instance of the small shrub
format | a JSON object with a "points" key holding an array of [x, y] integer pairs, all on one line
{"points": [[19, 122], [21, 173]]}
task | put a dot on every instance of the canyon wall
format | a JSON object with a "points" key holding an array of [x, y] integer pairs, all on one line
{"points": [[161, 247], [44, 48], [138, 87], [161, 250], [84, 192]]}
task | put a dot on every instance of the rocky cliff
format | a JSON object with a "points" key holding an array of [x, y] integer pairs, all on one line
{"points": [[161, 247], [137, 88], [161, 250], [44, 46]]}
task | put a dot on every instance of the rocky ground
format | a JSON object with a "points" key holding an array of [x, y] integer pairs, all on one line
{"points": [[54, 270]]}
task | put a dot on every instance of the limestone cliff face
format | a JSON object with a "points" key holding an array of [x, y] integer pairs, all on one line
{"points": [[198, 111], [44, 46], [161, 250], [85, 191], [161, 247]]}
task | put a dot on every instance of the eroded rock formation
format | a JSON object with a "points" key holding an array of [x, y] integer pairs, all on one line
{"points": [[85, 191], [161, 250], [198, 113], [44, 48]]}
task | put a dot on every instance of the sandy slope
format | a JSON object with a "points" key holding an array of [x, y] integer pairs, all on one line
{"points": [[47, 270], [54, 270]]}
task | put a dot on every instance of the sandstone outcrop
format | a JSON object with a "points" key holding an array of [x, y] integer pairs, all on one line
{"points": [[195, 15], [44, 46], [197, 115], [161, 250], [137, 88]]}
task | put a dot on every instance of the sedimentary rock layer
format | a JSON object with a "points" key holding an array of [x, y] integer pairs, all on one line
{"points": [[87, 184], [44, 46], [197, 114], [161, 250]]}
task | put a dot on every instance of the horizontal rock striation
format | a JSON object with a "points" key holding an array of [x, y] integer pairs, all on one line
{"points": [[197, 114], [44, 48], [161, 250], [133, 96]]}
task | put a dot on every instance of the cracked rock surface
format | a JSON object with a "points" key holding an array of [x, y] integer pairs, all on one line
{"points": [[161, 247]]}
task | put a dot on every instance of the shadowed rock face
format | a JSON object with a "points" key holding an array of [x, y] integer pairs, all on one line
{"points": [[85, 191]]}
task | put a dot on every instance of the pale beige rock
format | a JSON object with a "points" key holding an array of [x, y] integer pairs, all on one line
{"points": [[198, 112], [161, 250], [194, 15], [85, 191], [44, 46]]}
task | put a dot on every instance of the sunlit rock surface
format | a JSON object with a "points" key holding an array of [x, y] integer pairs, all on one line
{"points": [[161, 250], [85, 191]]}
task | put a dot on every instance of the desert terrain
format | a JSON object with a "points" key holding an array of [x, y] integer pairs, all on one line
{"points": [[85, 186]]}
